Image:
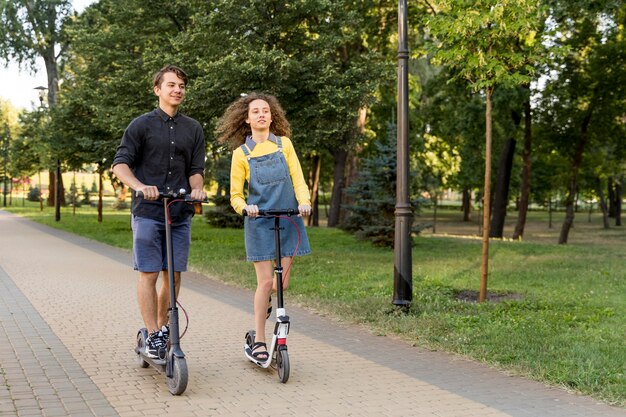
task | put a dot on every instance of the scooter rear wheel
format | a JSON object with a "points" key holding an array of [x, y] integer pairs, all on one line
{"points": [[282, 365], [141, 345], [180, 376]]}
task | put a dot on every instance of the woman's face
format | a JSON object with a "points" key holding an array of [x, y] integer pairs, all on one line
{"points": [[259, 115]]}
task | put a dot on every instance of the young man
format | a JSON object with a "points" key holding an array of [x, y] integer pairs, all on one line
{"points": [[161, 151]]}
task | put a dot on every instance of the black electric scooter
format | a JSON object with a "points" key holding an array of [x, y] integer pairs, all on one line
{"points": [[171, 359], [277, 352]]}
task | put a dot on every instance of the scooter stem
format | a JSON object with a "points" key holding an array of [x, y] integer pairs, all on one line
{"points": [[278, 269], [174, 338]]}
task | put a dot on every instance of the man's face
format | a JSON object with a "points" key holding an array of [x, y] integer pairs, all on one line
{"points": [[172, 90]]}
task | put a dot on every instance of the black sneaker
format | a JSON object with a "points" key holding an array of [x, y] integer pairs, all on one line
{"points": [[155, 345]]}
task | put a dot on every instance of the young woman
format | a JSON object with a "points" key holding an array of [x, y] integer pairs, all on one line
{"points": [[256, 128]]}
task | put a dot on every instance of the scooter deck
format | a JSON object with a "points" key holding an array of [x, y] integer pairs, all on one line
{"points": [[247, 350], [158, 364]]}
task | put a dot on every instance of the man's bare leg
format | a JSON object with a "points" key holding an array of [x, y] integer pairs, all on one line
{"points": [[164, 296], [147, 299]]}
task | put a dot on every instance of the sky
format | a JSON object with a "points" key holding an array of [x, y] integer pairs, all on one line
{"points": [[19, 87]]}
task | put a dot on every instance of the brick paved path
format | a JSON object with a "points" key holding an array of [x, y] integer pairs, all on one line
{"points": [[68, 319]]}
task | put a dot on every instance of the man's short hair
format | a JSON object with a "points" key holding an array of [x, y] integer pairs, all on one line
{"points": [[158, 77]]}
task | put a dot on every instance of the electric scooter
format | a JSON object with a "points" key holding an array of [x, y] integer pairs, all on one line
{"points": [[277, 352], [171, 360]]}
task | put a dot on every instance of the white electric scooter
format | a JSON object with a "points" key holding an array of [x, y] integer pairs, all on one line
{"points": [[277, 352]]}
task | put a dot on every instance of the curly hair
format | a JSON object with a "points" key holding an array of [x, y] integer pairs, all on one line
{"points": [[232, 128]]}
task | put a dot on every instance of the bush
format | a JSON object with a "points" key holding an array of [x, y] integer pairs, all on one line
{"points": [[33, 194], [72, 196], [86, 197], [223, 215], [372, 215]]}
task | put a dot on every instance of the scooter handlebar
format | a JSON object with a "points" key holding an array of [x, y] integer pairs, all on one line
{"points": [[274, 212], [181, 194]]}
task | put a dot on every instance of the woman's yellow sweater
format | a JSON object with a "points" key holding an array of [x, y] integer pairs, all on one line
{"points": [[240, 172]]}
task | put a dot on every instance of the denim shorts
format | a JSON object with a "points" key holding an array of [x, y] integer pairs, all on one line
{"points": [[149, 244]]}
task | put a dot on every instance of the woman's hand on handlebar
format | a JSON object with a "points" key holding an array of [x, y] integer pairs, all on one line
{"points": [[304, 210], [149, 192], [251, 210]]}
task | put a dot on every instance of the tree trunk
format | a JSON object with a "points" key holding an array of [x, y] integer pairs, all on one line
{"points": [[100, 187], [51, 188], [50, 61], [486, 199], [602, 204], [62, 189], [467, 204], [40, 192], [618, 201], [501, 199], [435, 204], [569, 210], [573, 182], [339, 167], [611, 197], [74, 199], [524, 200], [314, 183], [352, 163], [550, 212]]}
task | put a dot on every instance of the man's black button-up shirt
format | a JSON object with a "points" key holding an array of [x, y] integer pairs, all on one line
{"points": [[163, 151]]}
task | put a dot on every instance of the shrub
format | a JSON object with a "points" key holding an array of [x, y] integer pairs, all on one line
{"points": [[33, 194]]}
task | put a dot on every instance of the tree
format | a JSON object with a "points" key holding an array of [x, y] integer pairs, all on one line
{"points": [[313, 55], [107, 77], [489, 43], [441, 162], [32, 29], [372, 216], [583, 101], [526, 175]]}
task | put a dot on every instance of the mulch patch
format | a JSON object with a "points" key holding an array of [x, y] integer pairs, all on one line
{"points": [[472, 296]]}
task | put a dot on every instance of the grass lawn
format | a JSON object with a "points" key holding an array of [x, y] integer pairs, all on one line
{"points": [[558, 312]]}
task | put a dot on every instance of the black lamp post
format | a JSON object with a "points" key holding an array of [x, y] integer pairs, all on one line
{"points": [[57, 176], [403, 280]]}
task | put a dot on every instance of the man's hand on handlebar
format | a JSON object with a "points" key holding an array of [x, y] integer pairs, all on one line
{"points": [[198, 194], [148, 192]]}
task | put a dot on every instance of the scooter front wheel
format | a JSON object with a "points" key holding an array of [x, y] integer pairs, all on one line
{"points": [[250, 338], [180, 375], [282, 365]]}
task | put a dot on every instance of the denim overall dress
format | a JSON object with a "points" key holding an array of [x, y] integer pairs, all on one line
{"points": [[270, 187]]}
